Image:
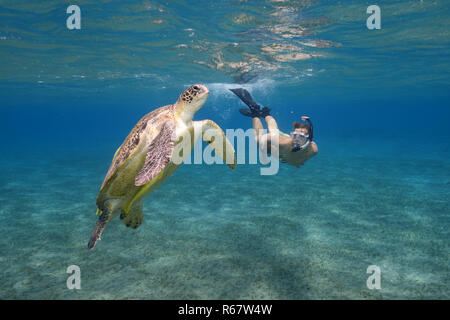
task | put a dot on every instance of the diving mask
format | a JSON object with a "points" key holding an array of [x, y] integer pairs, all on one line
{"points": [[299, 141]]}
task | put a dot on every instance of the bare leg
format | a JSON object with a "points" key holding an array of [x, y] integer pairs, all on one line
{"points": [[263, 140], [258, 127], [271, 124]]}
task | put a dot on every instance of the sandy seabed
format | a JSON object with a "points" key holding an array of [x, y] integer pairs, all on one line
{"points": [[212, 233]]}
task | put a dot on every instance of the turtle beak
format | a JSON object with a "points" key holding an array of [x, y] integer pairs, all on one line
{"points": [[203, 90]]}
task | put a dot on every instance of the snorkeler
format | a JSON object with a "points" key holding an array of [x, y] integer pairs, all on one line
{"points": [[295, 148]]}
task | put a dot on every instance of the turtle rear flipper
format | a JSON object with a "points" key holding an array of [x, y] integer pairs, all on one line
{"points": [[135, 216], [98, 230]]}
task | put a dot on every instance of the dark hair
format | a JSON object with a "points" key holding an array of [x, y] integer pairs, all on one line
{"points": [[298, 125]]}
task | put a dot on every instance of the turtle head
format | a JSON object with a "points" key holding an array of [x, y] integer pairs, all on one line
{"points": [[191, 100]]}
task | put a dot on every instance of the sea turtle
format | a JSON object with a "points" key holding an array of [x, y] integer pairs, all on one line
{"points": [[153, 150]]}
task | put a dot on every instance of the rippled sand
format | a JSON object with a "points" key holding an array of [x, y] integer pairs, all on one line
{"points": [[210, 233]]}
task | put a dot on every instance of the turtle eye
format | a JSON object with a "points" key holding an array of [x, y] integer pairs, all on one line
{"points": [[197, 88]]}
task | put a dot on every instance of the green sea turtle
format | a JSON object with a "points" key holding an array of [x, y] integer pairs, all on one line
{"points": [[151, 153]]}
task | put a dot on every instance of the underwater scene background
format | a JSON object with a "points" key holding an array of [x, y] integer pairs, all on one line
{"points": [[377, 193]]}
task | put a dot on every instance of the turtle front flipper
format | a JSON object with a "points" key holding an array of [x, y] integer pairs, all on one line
{"points": [[158, 155], [135, 216], [216, 139]]}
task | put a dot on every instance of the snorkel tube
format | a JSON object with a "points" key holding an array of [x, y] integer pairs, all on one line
{"points": [[305, 118]]}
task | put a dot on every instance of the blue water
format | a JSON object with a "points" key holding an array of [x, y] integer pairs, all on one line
{"points": [[377, 193]]}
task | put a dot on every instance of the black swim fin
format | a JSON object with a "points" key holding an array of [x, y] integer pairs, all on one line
{"points": [[249, 113], [245, 96], [264, 112], [255, 109]]}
